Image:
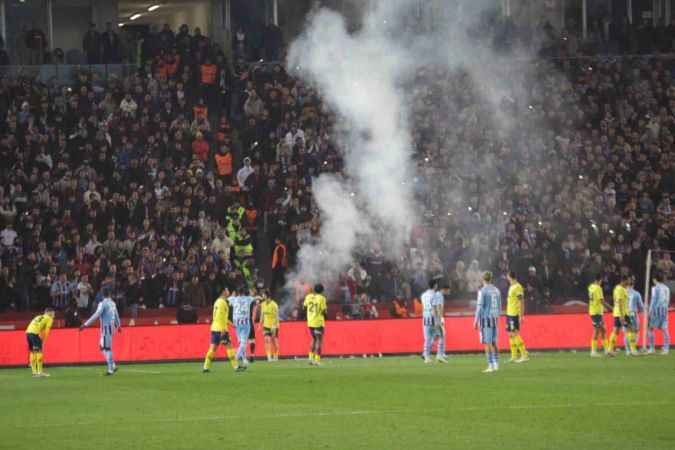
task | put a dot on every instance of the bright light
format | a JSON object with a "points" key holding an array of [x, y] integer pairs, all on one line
{"points": [[121, 24], [153, 7], [135, 16]]}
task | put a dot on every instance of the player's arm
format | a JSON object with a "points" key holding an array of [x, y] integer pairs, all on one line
{"points": [[521, 299], [639, 304], [116, 320], [47, 329], [479, 308], [95, 316]]}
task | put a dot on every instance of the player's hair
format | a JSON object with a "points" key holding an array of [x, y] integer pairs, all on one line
{"points": [[512, 275], [433, 283], [658, 277], [598, 276], [445, 286], [106, 292], [487, 276], [318, 288], [49, 309]]}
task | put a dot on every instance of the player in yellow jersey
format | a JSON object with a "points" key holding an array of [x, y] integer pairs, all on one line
{"points": [[36, 334], [315, 307], [621, 317], [269, 317], [515, 308], [220, 332], [596, 309]]}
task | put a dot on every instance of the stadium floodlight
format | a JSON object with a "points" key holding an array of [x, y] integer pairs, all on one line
{"points": [[121, 24], [152, 8], [135, 16]]}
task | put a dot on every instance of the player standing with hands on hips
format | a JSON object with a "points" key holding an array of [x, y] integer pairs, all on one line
{"points": [[106, 313]]}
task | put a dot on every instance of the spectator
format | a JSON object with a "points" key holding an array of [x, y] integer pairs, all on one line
{"points": [[84, 293], [91, 45], [111, 45], [195, 294]]}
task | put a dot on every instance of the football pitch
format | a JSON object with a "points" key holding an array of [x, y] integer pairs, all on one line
{"points": [[554, 401]]}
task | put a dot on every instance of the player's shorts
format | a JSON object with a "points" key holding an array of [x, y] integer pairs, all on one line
{"points": [[619, 321], [488, 335], [106, 340], [220, 337], [658, 322], [274, 332], [34, 342], [316, 331], [633, 322], [597, 321], [512, 323]]}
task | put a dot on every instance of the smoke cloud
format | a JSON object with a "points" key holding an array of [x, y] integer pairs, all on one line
{"points": [[372, 79], [359, 75]]}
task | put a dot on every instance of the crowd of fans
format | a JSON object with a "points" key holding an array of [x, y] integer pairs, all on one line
{"points": [[158, 184]]}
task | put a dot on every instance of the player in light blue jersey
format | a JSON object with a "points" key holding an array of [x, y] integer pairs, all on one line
{"points": [[241, 317], [486, 320], [432, 322], [635, 307], [658, 314], [106, 314]]}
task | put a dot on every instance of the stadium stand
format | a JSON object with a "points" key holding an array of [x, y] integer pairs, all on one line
{"points": [[186, 175]]}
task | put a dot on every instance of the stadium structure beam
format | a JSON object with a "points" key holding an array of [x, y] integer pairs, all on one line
{"points": [[629, 10], [275, 12], [50, 24], [584, 19], [562, 14], [667, 13], [3, 23]]}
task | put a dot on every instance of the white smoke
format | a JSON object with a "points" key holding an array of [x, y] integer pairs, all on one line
{"points": [[359, 76]]}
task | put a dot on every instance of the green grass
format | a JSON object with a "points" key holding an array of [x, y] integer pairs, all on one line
{"points": [[555, 401]]}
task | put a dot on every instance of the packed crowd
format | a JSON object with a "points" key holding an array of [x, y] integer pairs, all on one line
{"points": [[134, 183], [156, 185]]}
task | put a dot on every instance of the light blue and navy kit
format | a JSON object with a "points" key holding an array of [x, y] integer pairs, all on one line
{"points": [[241, 317], [109, 318], [488, 306], [658, 308], [431, 326], [635, 307]]}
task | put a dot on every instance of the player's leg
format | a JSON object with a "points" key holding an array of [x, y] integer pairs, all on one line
{"points": [[211, 352], [268, 343], [242, 335], [594, 340], [275, 343], [106, 349], [428, 339], [317, 349], [665, 349], [650, 339], [251, 342], [312, 346], [440, 352], [32, 355], [613, 335]]}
